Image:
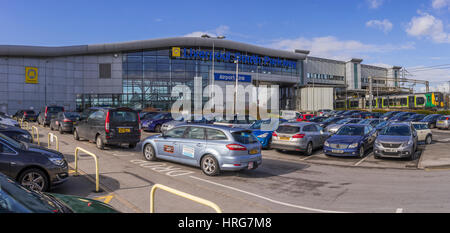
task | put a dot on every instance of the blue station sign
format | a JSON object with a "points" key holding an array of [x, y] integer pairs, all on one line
{"points": [[232, 77]]}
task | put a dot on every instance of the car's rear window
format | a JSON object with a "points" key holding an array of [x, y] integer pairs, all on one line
{"points": [[124, 116], [443, 118], [288, 129], [72, 115], [244, 137], [55, 109]]}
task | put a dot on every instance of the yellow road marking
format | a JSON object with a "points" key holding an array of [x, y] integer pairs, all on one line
{"points": [[106, 198]]}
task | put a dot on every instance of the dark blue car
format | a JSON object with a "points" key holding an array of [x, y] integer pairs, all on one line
{"points": [[155, 122], [431, 120], [263, 130], [351, 140]]}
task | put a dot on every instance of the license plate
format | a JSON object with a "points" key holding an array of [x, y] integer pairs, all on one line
{"points": [[250, 165], [124, 130], [390, 150], [440, 122], [285, 138], [337, 151], [254, 151]]}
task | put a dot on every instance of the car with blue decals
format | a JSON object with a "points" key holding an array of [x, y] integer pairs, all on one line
{"points": [[155, 122], [210, 147], [263, 130], [351, 140]]}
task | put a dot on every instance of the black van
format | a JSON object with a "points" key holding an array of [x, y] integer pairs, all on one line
{"points": [[47, 112], [109, 126]]}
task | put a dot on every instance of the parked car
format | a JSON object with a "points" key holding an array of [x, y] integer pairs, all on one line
{"points": [[155, 122], [389, 115], [371, 121], [431, 120], [193, 120], [8, 121], [322, 112], [415, 118], [289, 114], [424, 134], [237, 122], [46, 114], [64, 121], [300, 136], [212, 148], [397, 140], [318, 119], [402, 116], [16, 133], [263, 130], [26, 115], [305, 117], [14, 198], [351, 140], [34, 167], [106, 126], [363, 115], [349, 113], [338, 113], [443, 122], [376, 114], [333, 128], [329, 121], [382, 125]]}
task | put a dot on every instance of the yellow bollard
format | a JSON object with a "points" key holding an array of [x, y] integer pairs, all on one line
{"points": [[97, 182], [52, 136], [33, 128]]}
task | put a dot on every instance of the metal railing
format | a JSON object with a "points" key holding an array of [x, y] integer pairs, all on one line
{"points": [[181, 194], [97, 179], [34, 128], [50, 138]]}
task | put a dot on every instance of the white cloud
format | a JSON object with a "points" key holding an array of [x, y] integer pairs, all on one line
{"points": [[428, 26], [439, 4], [438, 78], [384, 25], [374, 4], [219, 31], [333, 48]]}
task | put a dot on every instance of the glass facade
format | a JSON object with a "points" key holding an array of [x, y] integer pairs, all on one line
{"points": [[149, 75]]}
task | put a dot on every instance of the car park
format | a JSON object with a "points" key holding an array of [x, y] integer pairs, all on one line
{"points": [[107, 126], [349, 113], [382, 125], [337, 113], [16, 133], [443, 122], [263, 130], [397, 140], [190, 120], [238, 122], [289, 114], [26, 115], [402, 116], [4, 120], [389, 115], [47, 112], [363, 115], [155, 122], [304, 117], [300, 136], [333, 128], [329, 121], [351, 140], [371, 121], [64, 121], [431, 120], [34, 167], [14, 198], [415, 117], [212, 148], [322, 112], [318, 119], [424, 133], [375, 115]]}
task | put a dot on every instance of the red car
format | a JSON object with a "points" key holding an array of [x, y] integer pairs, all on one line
{"points": [[305, 117]]}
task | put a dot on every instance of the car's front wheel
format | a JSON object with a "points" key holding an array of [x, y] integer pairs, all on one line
{"points": [[34, 179], [210, 166], [149, 152]]}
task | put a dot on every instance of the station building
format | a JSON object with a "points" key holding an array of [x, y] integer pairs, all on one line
{"points": [[141, 74]]}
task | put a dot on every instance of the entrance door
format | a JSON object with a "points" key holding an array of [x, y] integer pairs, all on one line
{"points": [[411, 102]]}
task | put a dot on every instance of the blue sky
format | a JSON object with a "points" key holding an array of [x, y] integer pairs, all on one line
{"points": [[409, 33]]}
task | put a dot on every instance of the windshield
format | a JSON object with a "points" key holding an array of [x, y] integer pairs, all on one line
{"points": [[330, 120], [430, 117], [72, 115], [396, 130], [351, 131], [15, 198], [343, 121], [382, 124]]}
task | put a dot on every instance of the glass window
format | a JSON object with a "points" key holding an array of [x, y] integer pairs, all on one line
{"points": [[288, 129], [244, 137], [176, 132], [195, 133]]}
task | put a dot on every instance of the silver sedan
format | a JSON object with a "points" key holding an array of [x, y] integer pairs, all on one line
{"points": [[212, 148]]}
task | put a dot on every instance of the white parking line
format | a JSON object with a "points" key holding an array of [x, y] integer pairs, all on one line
{"points": [[268, 199], [362, 160]]}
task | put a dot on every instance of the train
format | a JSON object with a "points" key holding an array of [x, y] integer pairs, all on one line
{"points": [[430, 100]]}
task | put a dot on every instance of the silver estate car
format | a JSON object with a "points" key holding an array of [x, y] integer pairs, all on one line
{"points": [[333, 128], [397, 140], [443, 122], [301, 136], [212, 148]]}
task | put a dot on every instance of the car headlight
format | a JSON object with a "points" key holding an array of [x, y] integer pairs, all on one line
{"points": [[354, 145], [326, 143], [408, 143], [377, 143], [57, 161], [26, 136], [264, 135]]}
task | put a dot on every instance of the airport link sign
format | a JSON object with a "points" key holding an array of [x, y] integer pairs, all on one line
{"points": [[199, 54], [232, 77]]}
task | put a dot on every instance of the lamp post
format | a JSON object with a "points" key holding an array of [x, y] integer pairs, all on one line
{"points": [[236, 85]]}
